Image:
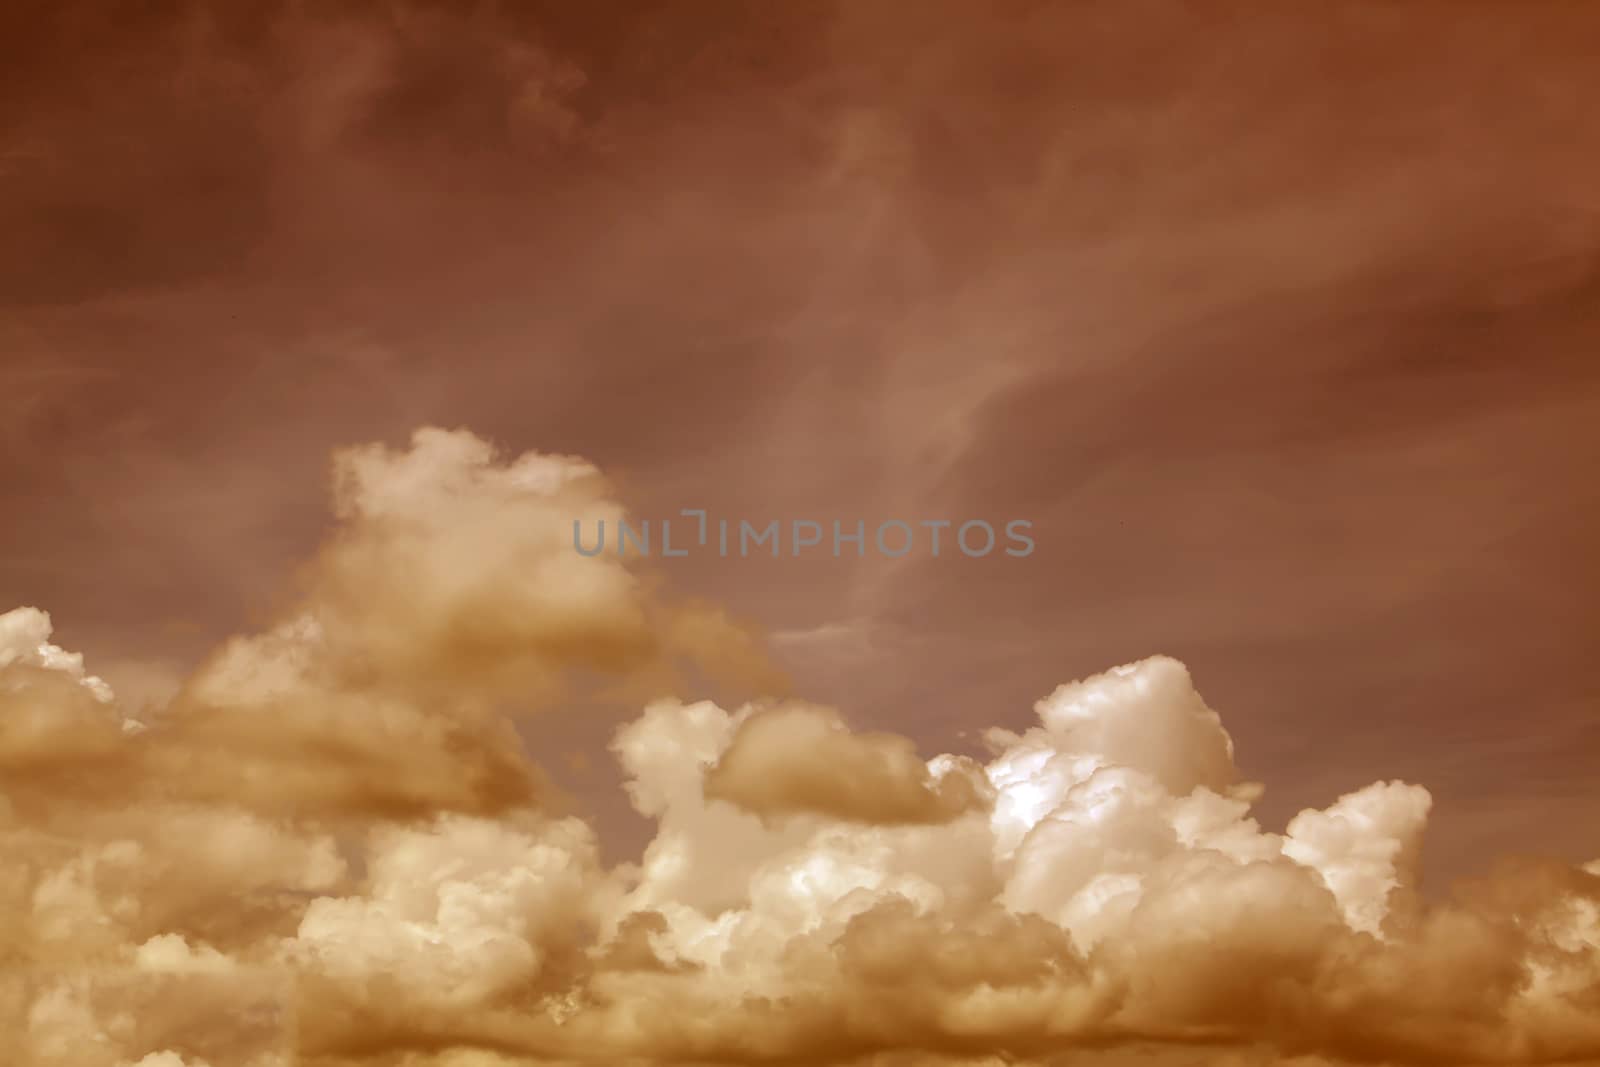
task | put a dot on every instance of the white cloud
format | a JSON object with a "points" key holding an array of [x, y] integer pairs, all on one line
{"points": [[329, 849]]}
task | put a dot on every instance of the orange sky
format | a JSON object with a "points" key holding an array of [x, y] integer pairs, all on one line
{"points": [[1279, 323]]}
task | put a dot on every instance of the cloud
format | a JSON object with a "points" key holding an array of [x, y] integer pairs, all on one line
{"points": [[25, 643], [447, 601], [56, 720], [800, 758], [453, 577], [168, 1059], [458, 911], [330, 848]]}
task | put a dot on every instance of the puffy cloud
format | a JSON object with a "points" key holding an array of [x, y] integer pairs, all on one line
{"points": [[456, 912], [55, 718], [448, 599], [801, 758], [1366, 847], [329, 849], [1117, 895], [453, 576], [1146, 716], [25, 642]]}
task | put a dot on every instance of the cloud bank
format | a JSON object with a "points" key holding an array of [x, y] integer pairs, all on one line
{"points": [[332, 848]]}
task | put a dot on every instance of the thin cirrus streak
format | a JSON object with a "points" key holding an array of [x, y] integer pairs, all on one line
{"points": [[330, 847]]}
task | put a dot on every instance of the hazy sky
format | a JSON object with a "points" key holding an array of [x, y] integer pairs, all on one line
{"points": [[1280, 322]]}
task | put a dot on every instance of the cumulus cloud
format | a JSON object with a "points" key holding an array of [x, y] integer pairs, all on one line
{"points": [[801, 758], [452, 577], [329, 848], [56, 720], [25, 643], [447, 602]]}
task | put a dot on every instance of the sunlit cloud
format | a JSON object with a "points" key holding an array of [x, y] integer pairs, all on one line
{"points": [[331, 847]]}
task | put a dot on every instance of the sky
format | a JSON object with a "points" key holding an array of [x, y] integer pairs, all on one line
{"points": [[320, 323]]}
